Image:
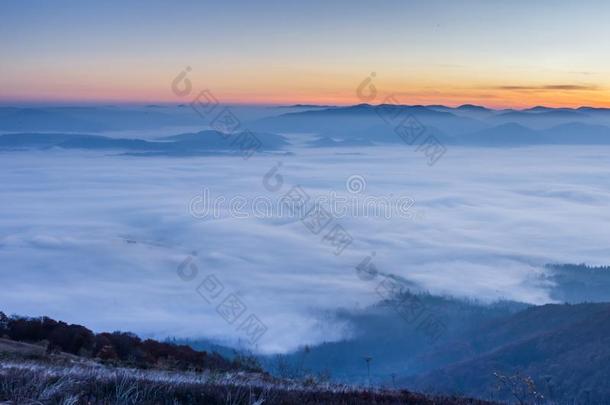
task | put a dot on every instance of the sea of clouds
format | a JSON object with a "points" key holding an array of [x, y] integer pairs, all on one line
{"points": [[96, 238]]}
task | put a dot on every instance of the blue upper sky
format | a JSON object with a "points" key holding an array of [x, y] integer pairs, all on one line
{"points": [[487, 52]]}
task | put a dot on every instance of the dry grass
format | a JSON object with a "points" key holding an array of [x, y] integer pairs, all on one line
{"points": [[33, 382]]}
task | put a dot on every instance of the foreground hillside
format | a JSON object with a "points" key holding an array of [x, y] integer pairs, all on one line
{"points": [[117, 348], [32, 382], [34, 374]]}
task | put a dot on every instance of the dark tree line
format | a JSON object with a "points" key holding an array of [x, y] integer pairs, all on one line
{"points": [[117, 347]]}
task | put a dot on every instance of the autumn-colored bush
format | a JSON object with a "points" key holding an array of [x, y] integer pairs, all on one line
{"points": [[117, 347]]}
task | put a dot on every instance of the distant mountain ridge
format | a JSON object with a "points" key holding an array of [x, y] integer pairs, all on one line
{"points": [[336, 126], [512, 134], [468, 125], [183, 144]]}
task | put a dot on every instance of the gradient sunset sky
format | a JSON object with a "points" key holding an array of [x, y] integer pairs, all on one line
{"points": [[494, 53]]}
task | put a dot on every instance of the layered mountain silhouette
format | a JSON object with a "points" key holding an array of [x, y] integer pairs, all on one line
{"points": [[203, 142], [467, 125], [563, 348], [350, 126]]}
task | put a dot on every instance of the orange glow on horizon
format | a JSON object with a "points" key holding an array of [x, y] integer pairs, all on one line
{"points": [[322, 92], [495, 102]]}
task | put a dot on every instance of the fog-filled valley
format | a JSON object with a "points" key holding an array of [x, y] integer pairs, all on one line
{"points": [[453, 254]]}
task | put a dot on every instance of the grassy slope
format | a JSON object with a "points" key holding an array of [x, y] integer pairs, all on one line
{"points": [[29, 375]]}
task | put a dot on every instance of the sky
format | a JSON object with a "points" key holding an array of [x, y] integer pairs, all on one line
{"points": [[493, 53]]}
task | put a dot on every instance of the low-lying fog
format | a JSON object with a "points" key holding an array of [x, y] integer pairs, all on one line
{"points": [[96, 238]]}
